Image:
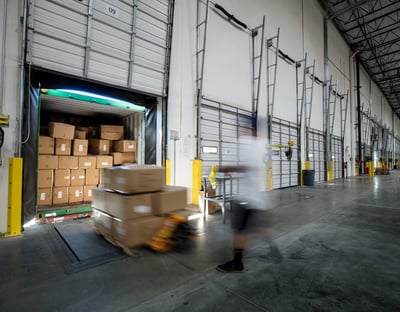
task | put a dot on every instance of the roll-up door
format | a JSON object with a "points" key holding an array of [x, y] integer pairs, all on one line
{"points": [[285, 171], [337, 155], [317, 154], [221, 126], [123, 43]]}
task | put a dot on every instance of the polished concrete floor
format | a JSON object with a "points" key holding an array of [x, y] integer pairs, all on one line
{"points": [[340, 241]]}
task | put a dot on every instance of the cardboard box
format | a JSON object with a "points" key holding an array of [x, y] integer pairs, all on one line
{"points": [[79, 147], [124, 146], [80, 134], [99, 147], [75, 194], [122, 158], [104, 161], [87, 192], [61, 130], [63, 147], [212, 207], [137, 232], [87, 162], [111, 132], [60, 195], [78, 177], [45, 196], [45, 178], [134, 179], [48, 162], [62, 177], [103, 222], [68, 162], [92, 176], [46, 145], [124, 207], [169, 199]]}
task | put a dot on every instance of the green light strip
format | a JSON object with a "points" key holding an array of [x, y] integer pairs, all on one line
{"points": [[93, 98]]}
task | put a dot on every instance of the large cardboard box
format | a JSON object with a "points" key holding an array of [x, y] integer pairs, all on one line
{"points": [[78, 177], [79, 147], [99, 198], [46, 145], [87, 162], [134, 179], [92, 176], [122, 158], [99, 147], [48, 162], [45, 196], [111, 132], [45, 178], [103, 222], [124, 207], [87, 192], [137, 232], [63, 147], [75, 194], [124, 146], [62, 177], [61, 130], [68, 162], [104, 161], [169, 199], [60, 195], [81, 133]]}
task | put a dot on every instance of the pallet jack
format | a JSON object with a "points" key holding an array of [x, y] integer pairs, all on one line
{"points": [[176, 234]]}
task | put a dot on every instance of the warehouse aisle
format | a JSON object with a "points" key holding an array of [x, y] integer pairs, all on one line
{"points": [[339, 240]]}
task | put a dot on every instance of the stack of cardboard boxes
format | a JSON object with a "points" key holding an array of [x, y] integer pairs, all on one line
{"points": [[71, 159], [133, 203]]}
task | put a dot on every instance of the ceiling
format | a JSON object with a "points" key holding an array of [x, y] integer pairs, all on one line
{"points": [[372, 27]]}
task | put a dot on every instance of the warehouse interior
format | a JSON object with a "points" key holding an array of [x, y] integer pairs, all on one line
{"points": [[181, 82]]}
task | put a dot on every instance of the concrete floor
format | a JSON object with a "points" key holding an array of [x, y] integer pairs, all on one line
{"points": [[340, 241]]}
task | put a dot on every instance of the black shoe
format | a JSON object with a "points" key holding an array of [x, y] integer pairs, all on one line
{"points": [[230, 267]]}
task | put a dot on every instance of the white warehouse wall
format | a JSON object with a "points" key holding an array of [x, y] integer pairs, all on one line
{"points": [[9, 96], [227, 76]]}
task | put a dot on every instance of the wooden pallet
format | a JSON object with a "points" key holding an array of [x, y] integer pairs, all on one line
{"points": [[131, 252]]}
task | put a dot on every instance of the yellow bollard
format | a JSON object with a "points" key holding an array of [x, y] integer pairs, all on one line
{"points": [[308, 165], [269, 175], [196, 180], [14, 217], [371, 169]]}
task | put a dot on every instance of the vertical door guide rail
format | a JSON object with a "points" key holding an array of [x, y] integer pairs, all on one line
{"points": [[88, 38], [133, 39]]}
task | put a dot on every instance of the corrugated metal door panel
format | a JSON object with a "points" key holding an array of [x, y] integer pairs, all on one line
{"points": [[317, 157], [119, 42], [284, 171], [57, 33]]}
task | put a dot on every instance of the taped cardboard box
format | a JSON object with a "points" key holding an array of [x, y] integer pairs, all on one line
{"points": [[46, 145], [103, 222], [169, 199], [104, 162], [87, 192], [111, 132], [68, 162], [45, 196], [78, 177], [134, 179], [99, 146], [124, 207], [79, 147], [122, 158], [124, 146], [61, 130], [92, 176], [45, 178], [48, 162], [62, 177], [75, 194], [135, 233], [87, 162], [63, 147], [60, 195]]}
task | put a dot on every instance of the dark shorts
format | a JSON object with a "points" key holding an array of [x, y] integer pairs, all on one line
{"points": [[245, 218]]}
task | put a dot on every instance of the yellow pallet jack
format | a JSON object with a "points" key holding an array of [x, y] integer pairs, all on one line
{"points": [[175, 234]]}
